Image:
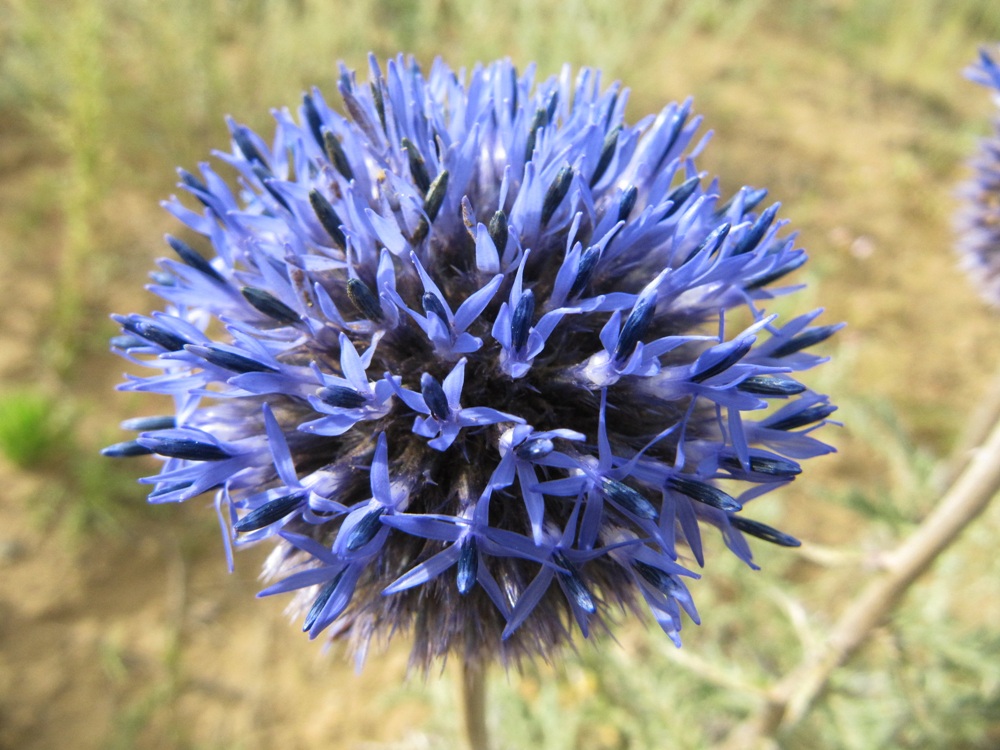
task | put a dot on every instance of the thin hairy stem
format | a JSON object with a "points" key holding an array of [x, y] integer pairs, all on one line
{"points": [[474, 705], [790, 700]]}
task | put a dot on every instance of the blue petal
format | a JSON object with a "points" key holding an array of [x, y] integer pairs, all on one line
{"points": [[426, 571]]}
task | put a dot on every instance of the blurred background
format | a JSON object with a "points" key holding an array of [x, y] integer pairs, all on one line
{"points": [[119, 626]]}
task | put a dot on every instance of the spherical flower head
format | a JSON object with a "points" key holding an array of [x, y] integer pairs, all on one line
{"points": [[979, 219], [481, 358]]}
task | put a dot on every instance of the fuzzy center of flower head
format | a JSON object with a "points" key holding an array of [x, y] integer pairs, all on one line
{"points": [[479, 355]]}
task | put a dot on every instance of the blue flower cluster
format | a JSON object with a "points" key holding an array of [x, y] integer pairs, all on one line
{"points": [[979, 220], [481, 357]]}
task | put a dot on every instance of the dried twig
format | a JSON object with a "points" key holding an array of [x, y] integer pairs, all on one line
{"points": [[791, 698], [834, 557], [978, 426], [713, 673]]}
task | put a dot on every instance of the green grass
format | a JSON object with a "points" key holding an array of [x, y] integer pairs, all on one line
{"points": [[33, 428], [84, 491]]}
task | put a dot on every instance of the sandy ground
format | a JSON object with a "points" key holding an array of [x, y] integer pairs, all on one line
{"points": [[145, 641]]}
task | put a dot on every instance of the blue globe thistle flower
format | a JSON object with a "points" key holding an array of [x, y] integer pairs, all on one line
{"points": [[483, 359], [979, 220]]}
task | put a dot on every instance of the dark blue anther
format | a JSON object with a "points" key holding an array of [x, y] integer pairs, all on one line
{"points": [[335, 153], [763, 531], [771, 385], [804, 340], [753, 198], [269, 512], [800, 419], [767, 465], [520, 325], [713, 242], [125, 450], [499, 230], [418, 167], [379, 104], [675, 130], [365, 529], [531, 450], [660, 579], [193, 259], [627, 202], [153, 333], [319, 603], [537, 122], [434, 306], [607, 152], [773, 275], [241, 135], [148, 424], [420, 233], [265, 302], [436, 194], [230, 360], [268, 181], [188, 449], [160, 336], [313, 119], [550, 110], [341, 397], [434, 397], [468, 566], [556, 192], [710, 244], [679, 195], [573, 584], [704, 493], [636, 325], [628, 499], [584, 270], [364, 300], [610, 111], [195, 185], [750, 201], [513, 92], [735, 355], [327, 217], [756, 233]]}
